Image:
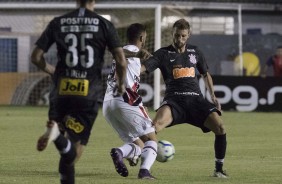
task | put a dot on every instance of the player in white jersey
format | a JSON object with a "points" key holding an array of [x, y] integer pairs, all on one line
{"points": [[127, 115]]}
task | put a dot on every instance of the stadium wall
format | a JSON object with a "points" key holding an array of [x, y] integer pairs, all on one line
{"points": [[214, 30], [235, 93]]}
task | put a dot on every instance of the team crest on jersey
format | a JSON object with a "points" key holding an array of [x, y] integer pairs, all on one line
{"points": [[192, 58]]}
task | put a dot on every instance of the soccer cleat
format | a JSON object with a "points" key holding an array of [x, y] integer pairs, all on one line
{"points": [[51, 134], [133, 161], [220, 174], [145, 174], [118, 162]]}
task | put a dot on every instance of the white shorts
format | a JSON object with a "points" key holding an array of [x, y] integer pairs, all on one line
{"points": [[130, 122]]}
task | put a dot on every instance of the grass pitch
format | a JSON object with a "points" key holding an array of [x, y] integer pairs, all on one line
{"points": [[254, 151]]}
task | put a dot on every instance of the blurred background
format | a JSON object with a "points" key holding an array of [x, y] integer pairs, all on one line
{"points": [[237, 37]]}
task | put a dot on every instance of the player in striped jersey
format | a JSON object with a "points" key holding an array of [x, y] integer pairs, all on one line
{"points": [[127, 115]]}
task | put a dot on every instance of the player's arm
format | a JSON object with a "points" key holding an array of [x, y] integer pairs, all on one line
{"points": [[143, 54], [129, 54], [209, 85], [121, 65], [37, 58]]}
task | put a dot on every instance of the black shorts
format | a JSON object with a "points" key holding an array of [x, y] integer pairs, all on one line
{"points": [[75, 116], [189, 109]]}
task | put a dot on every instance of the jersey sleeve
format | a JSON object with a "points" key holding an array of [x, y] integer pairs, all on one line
{"points": [[202, 66], [153, 62], [47, 37], [112, 37]]}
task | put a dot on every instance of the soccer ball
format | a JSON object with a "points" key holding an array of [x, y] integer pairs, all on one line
{"points": [[165, 151]]}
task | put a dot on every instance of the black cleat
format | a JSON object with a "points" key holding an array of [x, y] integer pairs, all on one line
{"points": [[118, 162], [145, 174]]}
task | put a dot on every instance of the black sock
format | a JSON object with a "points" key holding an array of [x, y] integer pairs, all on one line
{"points": [[61, 142], [66, 172], [220, 145], [66, 165], [218, 166]]}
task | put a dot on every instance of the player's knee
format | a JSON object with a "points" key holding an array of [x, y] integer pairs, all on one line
{"points": [[220, 130]]}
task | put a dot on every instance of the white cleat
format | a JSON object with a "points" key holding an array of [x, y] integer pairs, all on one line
{"points": [[51, 134], [220, 174]]}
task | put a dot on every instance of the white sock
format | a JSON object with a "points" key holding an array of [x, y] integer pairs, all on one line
{"points": [[148, 155], [130, 150]]}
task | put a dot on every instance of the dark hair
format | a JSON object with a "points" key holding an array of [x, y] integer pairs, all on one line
{"points": [[279, 47], [83, 2], [181, 24], [134, 31]]}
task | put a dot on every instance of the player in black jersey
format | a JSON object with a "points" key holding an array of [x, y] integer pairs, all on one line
{"points": [[183, 101], [81, 38]]}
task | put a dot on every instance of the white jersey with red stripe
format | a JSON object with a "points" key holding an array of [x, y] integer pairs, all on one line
{"points": [[132, 80], [126, 114]]}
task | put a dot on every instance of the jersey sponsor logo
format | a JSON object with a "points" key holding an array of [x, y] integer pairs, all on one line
{"points": [[183, 72], [74, 125], [187, 93], [76, 29], [192, 58], [79, 20], [76, 87], [191, 50]]}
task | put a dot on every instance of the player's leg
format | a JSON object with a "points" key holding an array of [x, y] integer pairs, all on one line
{"points": [[51, 133], [148, 155], [215, 124], [65, 147], [113, 113], [78, 125], [133, 153], [163, 118], [130, 151], [68, 154]]}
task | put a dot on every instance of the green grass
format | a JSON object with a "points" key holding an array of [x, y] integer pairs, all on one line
{"points": [[254, 154]]}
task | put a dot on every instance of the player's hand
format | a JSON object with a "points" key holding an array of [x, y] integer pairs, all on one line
{"points": [[143, 54], [216, 103], [119, 90]]}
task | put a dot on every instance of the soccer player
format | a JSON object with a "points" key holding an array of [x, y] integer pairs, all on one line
{"points": [[81, 38], [183, 101], [127, 115]]}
